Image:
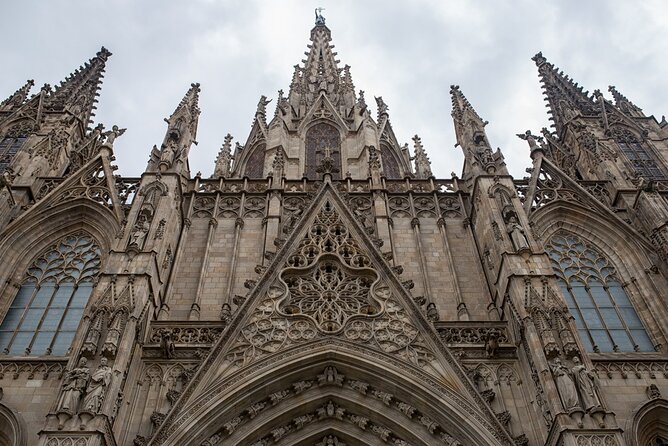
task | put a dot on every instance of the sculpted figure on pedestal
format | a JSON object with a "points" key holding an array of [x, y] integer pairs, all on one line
{"points": [[97, 387], [74, 386]]}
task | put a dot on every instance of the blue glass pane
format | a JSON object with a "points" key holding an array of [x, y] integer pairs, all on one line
{"points": [[63, 295], [619, 295], [31, 319], [52, 319], [12, 319], [611, 318], [81, 295], [631, 317], [20, 343], [5, 337], [602, 340], [584, 335], [578, 319], [62, 343], [23, 296], [72, 319], [591, 318], [642, 340], [42, 342], [43, 295], [582, 297], [600, 296], [621, 339]]}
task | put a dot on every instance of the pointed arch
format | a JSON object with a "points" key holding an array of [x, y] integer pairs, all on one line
{"points": [[648, 423], [321, 138], [12, 427], [255, 162], [604, 314], [287, 398], [637, 152], [390, 162]]}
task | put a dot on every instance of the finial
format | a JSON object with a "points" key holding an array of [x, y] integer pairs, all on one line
{"points": [[539, 59]]}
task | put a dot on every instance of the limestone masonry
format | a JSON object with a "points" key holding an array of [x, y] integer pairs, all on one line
{"points": [[322, 287]]}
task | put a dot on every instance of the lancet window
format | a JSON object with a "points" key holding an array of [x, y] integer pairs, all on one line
{"points": [[9, 146], [323, 140], [255, 164], [603, 312], [638, 154], [47, 309], [390, 165]]}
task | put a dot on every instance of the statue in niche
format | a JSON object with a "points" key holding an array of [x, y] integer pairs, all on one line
{"points": [[74, 386], [140, 230], [516, 232], [585, 381], [97, 386], [565, 385]]}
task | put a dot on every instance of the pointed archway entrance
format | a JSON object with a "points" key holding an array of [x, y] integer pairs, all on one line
{"points": [[330, 343]]}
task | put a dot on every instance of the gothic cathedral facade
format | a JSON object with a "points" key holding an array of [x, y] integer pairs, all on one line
{"points": [[322, 287]]}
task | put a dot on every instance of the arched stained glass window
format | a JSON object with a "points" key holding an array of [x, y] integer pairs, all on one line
{"points": [[390, 165], [46, 311], [319, 139], [638, 154], [603, 313], [255, 164]]}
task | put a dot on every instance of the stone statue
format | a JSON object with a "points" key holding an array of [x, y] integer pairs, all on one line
{"points": [[74, 386], [517, 235], [139, 231], [262, 105], [167, 344], [97, 386], [531, 139], [586, 384], [565, 385], [111, 135]]}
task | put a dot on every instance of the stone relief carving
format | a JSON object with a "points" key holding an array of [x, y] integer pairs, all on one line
{"points": [[332, 409], [74, 386], [97, 387]]}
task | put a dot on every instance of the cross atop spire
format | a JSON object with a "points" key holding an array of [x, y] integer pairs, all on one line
{"points": [[79, 91], [565, 98], [18, 98]]}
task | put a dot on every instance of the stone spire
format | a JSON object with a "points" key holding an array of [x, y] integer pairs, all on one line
{"points": [[422, 163], [181, 132], [224, 158], [320, 72], [626, 106], [565, 98], [18, 98], [471, 136], [79, 91]]}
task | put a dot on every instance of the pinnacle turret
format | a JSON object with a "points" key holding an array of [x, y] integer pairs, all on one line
{"points": [[18, 98], [622, 103], [565, 98], [79, 91], [224, 158], [422, 163]]}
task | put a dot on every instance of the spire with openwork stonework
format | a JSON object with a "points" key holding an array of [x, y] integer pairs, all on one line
{"points": [[79, 91], [565, 98], [320, 72], [18, 98], [471, 136]]}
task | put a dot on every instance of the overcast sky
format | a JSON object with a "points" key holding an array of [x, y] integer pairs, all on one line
{"points": [[410, 52]]}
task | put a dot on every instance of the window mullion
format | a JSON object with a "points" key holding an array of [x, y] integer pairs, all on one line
{"points": [[62, 318], [41, 320], [23, 315]]}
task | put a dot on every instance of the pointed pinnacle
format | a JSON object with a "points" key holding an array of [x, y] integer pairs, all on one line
{"points": [[190, 101], [19, 96], [620, 98], [460, 104]]}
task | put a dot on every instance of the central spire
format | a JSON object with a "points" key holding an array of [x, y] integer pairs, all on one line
{"points": [[320, 72]]}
